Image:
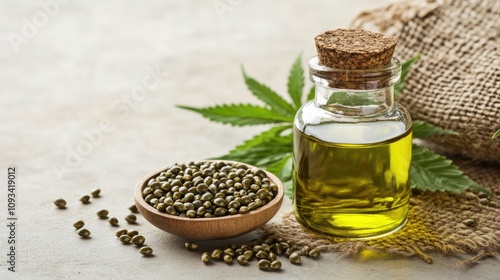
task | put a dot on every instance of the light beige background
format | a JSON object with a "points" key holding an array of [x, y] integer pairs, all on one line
{"points": [[77, 68]]}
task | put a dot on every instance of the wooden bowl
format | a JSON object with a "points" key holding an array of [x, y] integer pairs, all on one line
{"points": [[209, 228]]}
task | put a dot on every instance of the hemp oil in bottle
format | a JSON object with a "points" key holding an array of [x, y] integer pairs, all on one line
{"points": [[352, 143]]}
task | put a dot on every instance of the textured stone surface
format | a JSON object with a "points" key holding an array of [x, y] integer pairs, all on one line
{"points": [[73, 118]]}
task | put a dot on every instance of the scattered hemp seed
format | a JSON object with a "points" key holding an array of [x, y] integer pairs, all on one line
{"points": [[248, 254], [60, 203], [79, 224], [242, 260], [133, 209], [125, 239], [264, 264], [191, 246], [228, 259], [294, 258], [482, 195], [275, 265], [113, 221], [103, 214], [229, 251], [83, 232], [483, 201], [205, 257], [305, 250], [314, 253], [217, 254], [96, 193], [131, 219], [265, 252], [121, 232], [138, 240], [85, 199], [272, 256], [132, 233], [146, 251], [470, 222]]}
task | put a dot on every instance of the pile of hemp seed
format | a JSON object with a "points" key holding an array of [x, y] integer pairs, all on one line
{"points": [[209, 189]]}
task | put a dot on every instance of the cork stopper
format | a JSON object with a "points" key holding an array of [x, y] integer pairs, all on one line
{"points": [[354, 49]]}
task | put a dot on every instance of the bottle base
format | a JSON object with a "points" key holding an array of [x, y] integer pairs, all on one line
{"points": [[353, 226]]}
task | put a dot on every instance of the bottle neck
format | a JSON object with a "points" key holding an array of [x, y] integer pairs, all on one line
{"points": [[355, 93], [354, 103]]}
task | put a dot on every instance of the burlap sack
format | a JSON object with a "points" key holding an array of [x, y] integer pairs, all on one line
{"points": [[456, 83]]}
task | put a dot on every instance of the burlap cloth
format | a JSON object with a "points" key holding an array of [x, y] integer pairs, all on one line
{"points": [[454, 85], [456, 82]]}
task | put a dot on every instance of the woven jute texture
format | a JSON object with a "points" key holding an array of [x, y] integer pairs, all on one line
{"points": [[438, 222], [456, 83]]}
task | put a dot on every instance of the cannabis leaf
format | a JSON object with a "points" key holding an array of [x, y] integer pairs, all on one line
{"points": [[270, 97], [272, 149], [496, 134], [312, 91], [241, 114], [259, 139], [296, 82], [405, 69], [423, 129], [284, 170], [262, 150], [433, 172]]}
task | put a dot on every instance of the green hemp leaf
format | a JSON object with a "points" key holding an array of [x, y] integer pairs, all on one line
{"points": [[434, 172], [405, 69], [273, 148], [496, 134], [423, 129]]}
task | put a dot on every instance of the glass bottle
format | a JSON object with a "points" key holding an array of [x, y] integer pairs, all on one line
{"points": [[352, 153]]}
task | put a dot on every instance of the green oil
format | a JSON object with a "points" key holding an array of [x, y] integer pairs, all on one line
{"points": [[352, 180]]}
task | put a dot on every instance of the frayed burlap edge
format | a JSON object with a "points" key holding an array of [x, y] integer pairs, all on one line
{"points": [[438, 222]]}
